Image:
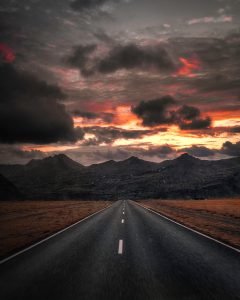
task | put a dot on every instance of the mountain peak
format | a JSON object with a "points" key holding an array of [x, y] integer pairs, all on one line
{"points": [[187, 157], [55, 160], [133, 159], [59, 157]]}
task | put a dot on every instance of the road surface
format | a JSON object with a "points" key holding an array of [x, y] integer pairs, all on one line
{"points": [[124, 252]]}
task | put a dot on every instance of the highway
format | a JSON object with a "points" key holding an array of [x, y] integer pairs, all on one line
{"points": [[123, 252]]}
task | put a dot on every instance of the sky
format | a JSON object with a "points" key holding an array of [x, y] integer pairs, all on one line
{"points": [[109, 79]]}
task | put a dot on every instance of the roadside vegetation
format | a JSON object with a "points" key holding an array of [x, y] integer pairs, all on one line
{"points": [[25, 222], [217, 218]]}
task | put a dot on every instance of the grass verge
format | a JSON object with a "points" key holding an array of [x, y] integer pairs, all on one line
{"points": [[26, 222], [219, 219]]}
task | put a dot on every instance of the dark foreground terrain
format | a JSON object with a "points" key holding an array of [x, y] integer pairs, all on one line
{"points": [[124, 252], [59, 177]]}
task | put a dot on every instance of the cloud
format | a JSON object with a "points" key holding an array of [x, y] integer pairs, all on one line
{"points": [[155, 112], [163, 111], [30, 111], [213, 53], [81, 5], [207, 20], [127, 57], [231, 149], [78, 133], [199, 151], [7, 53], [102, 36], [132, 56], [13, 154], [108, 135], [80, 57], [106, 117], [219, 82], [189, 118], [235, 129], [162, 151]]}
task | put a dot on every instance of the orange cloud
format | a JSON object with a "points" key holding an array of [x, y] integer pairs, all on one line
{"points": [[189, 66]]}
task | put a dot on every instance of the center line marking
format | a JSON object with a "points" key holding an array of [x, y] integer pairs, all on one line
{"points": [[120, 247], [122, 221], [123, 213]]}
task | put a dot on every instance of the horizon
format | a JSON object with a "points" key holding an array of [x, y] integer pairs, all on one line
{"points": [[121, 160]]}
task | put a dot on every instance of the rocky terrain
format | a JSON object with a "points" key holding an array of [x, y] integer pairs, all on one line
{"points": [[185, 177]]}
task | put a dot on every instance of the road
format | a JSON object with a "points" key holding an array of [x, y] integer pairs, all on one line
{"points": [[124, 252]]}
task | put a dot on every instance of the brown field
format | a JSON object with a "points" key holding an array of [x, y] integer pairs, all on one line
{"points": [[217, 218], [23, 223]]}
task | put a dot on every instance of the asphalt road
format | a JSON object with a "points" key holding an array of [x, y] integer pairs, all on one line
{"points": [[143, 257]]}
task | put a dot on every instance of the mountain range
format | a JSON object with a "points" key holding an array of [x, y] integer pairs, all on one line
{"points": [[59, 177]]}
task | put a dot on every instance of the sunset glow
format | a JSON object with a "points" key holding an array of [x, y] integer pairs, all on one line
{"points": [[79, 83]]}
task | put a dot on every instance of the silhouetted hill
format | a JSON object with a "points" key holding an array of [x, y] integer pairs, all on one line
{"points": [[59, 177], [130, 166], [7, 190], [60, 162]]}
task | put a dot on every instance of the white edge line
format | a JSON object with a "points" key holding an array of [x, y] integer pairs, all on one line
{"points": [[51, 236], [120, 247], [191, 229]]}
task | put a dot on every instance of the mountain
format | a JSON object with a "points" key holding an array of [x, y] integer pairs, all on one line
{"points": [[7, 190], [129, 167], [59, 177], [43, 178], [56, 163]]}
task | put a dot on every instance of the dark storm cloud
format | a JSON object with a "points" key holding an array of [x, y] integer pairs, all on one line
{"points": [[106, 117], [155, 112], [80, 58], [132, 56], [161, 111], [120, 57], [108, 135], [189, 118], [30, 111], [231, 149], [199, 151], [78, 133]]}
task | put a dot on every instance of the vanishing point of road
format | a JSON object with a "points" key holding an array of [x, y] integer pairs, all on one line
{"points": [[123, 252]]}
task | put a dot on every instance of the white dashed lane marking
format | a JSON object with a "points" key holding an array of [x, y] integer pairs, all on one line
{"points": [[120, 247]]}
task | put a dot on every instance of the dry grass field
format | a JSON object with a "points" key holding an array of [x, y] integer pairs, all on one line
{"points": [[217, 218], [23, 223]]}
